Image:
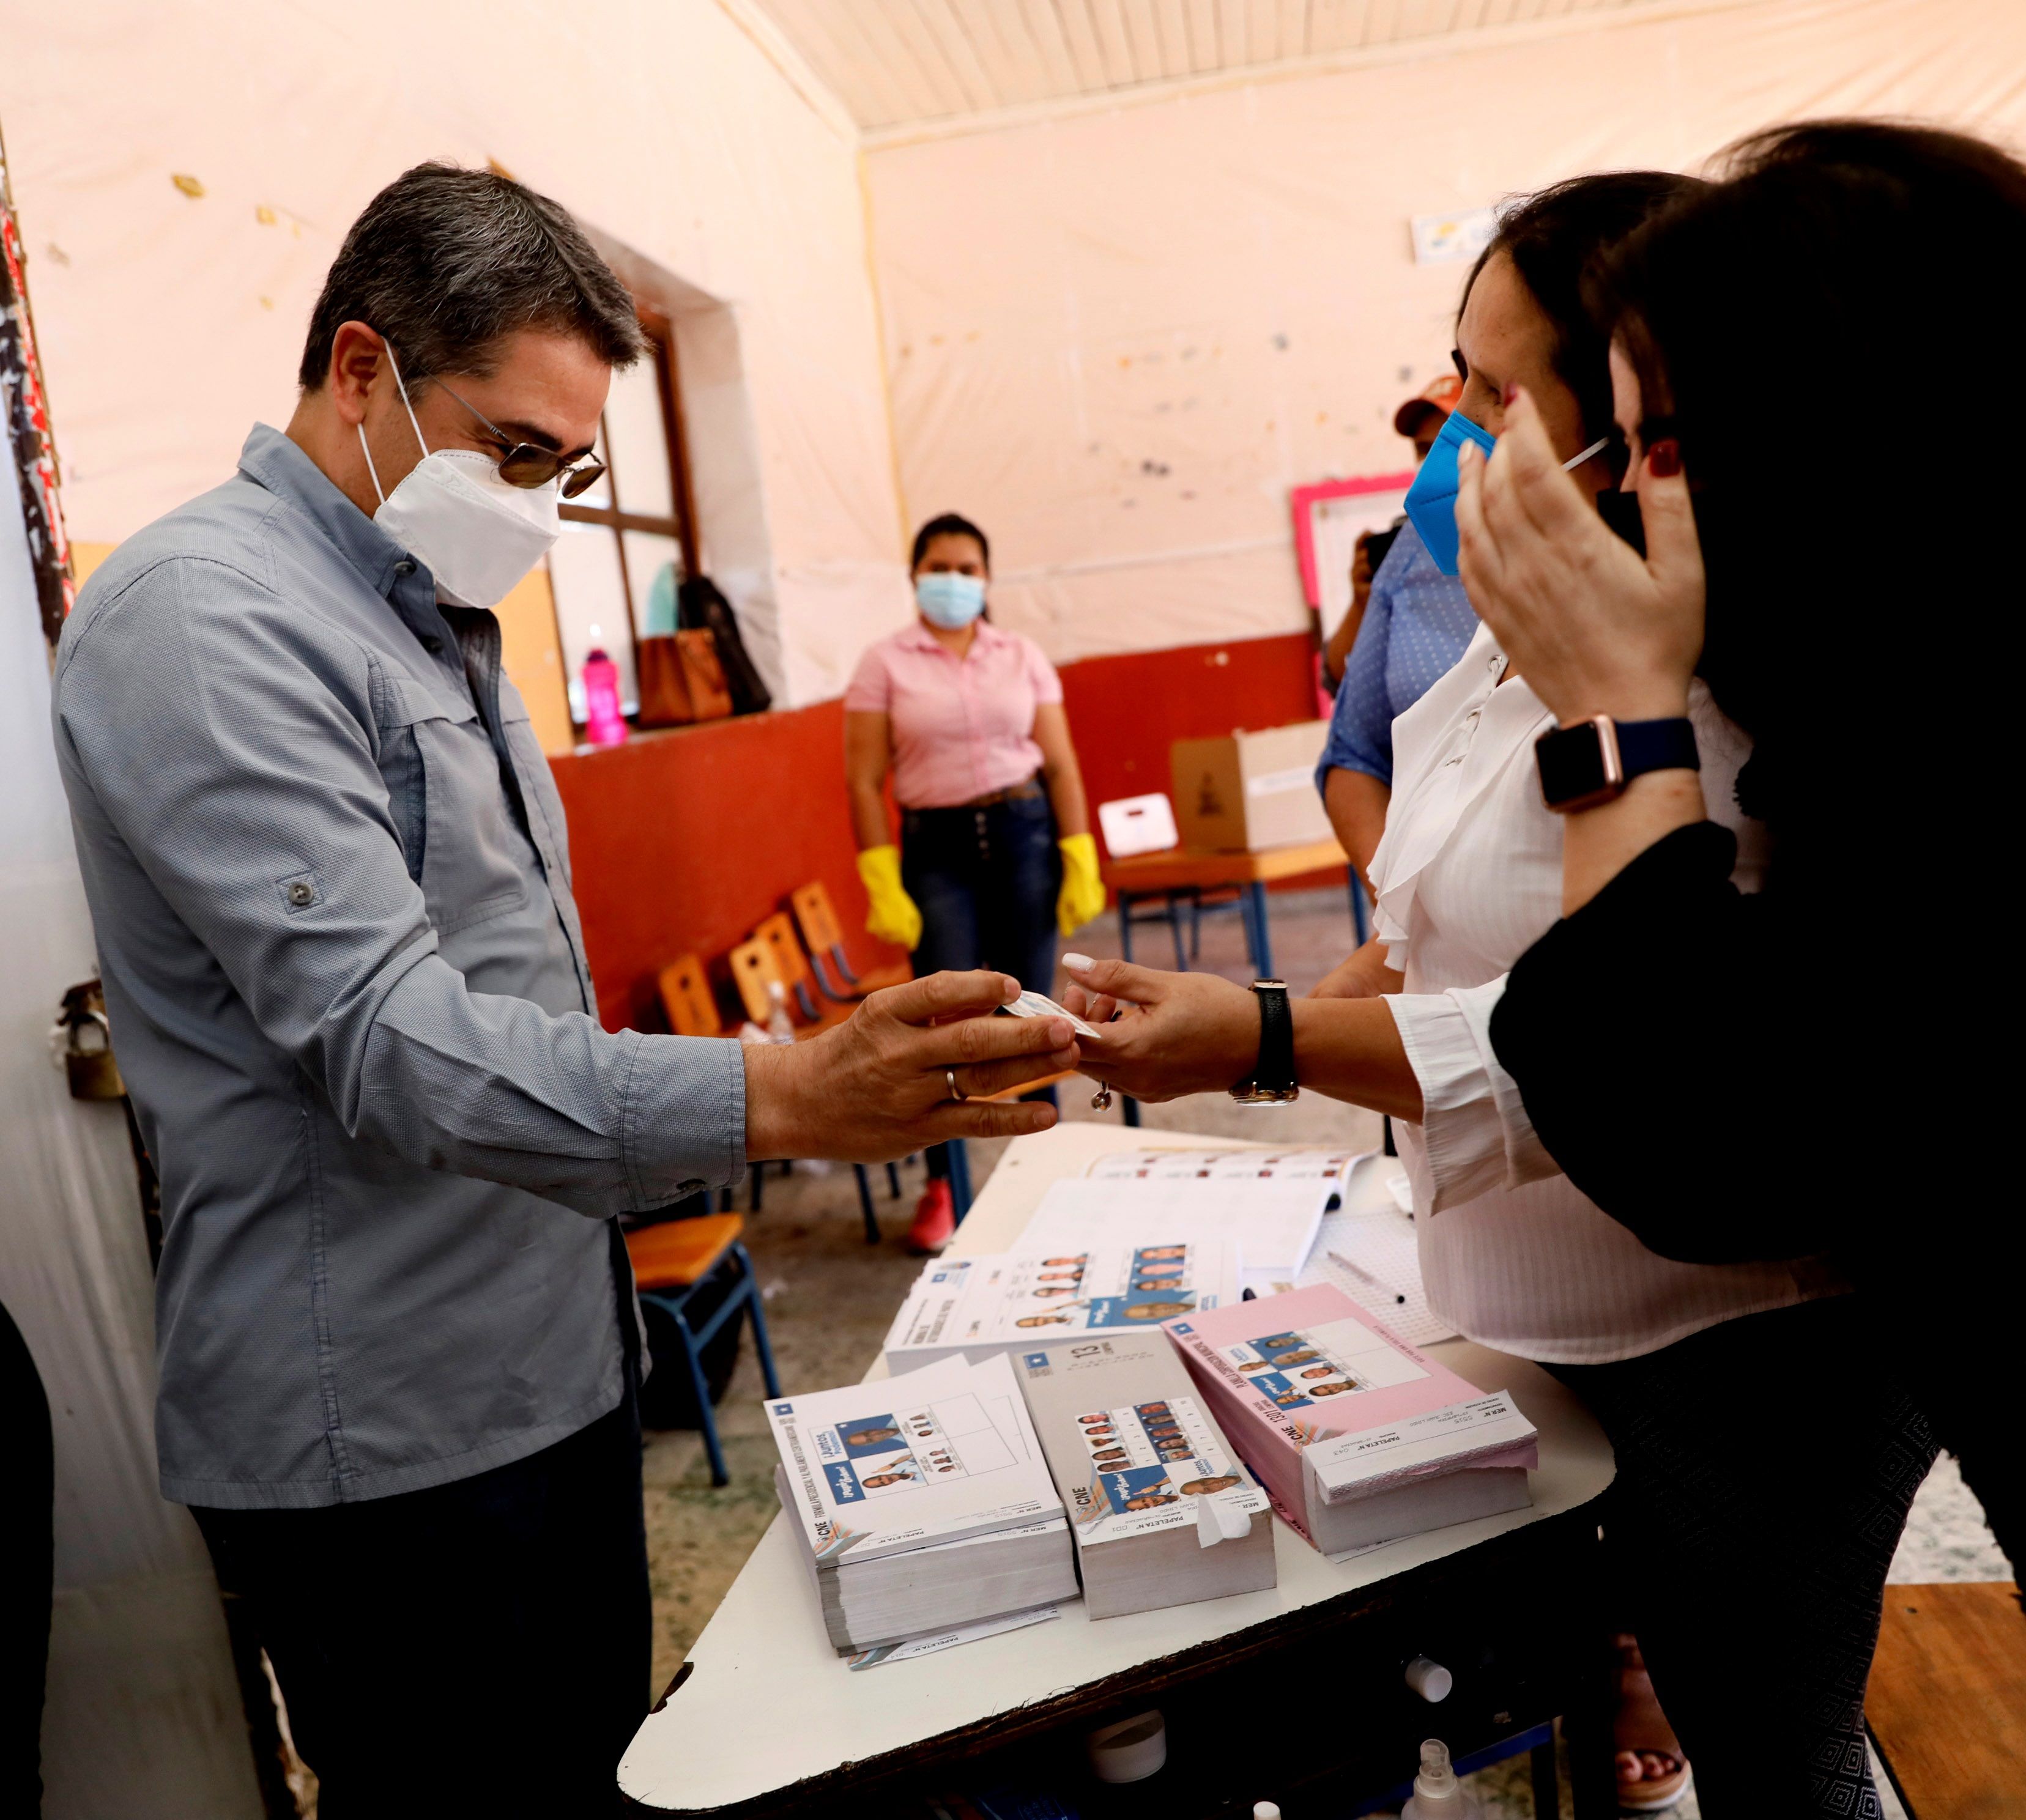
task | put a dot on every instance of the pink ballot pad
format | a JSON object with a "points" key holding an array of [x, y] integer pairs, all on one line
{"points": [[1286, 1371]]}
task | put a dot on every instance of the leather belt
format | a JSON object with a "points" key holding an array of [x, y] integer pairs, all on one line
{"points": [[1013, 793]]}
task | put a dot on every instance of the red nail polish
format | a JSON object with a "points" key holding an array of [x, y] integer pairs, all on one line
{"points": [[1663, 460]]}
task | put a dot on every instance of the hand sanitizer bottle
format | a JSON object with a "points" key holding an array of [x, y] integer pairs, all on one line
{"points": [[1437, 1791]]}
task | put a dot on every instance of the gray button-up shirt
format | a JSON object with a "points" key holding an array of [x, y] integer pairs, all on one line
{"points": [[328, 875]]}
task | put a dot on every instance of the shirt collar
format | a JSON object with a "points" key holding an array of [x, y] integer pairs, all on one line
{"points": [[918, 638], [274, 461]]}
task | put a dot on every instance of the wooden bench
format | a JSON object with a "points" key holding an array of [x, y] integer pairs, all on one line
{"points": [[1947, 1705]]}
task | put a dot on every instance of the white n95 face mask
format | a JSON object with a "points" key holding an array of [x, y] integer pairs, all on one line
{"points": [[451, 511]]}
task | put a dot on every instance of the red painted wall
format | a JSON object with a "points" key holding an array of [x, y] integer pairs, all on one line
{"points": [[681, 841]]}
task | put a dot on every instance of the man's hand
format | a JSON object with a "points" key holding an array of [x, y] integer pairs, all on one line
{"points": [[1594, 629], [1173, 1033], [877, 1085], [1363, 975]]}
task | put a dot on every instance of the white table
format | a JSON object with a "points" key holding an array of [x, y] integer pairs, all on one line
{"points": [[765, 1718]]}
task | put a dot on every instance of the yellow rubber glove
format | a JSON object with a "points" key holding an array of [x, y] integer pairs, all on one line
{"points": [[894, 918], [1082, 895]]}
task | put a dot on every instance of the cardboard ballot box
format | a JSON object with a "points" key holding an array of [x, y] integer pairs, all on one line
{"points": [[1249, 791]]}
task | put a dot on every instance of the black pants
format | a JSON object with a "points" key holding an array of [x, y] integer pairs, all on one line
{"points": [[479, 1647], [985, 881], [25, 1573], [1765, 1467]]}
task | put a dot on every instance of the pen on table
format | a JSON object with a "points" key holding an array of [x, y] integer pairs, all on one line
{"points": [[1365, 1276]]}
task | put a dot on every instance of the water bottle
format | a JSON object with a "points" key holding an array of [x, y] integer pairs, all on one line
{"points": [[604, 724], [1437, 1791], [780, 1027]]}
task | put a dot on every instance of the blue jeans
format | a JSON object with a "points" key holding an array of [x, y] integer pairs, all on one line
{"points": [[985, 881]]}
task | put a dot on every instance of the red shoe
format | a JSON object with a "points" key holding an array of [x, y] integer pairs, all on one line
{"points": [[935, 1220]]}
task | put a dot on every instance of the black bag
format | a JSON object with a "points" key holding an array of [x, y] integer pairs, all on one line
{"points": [[700, 607]]}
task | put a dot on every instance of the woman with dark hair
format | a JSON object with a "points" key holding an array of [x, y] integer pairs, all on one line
{"points": [[1514, 1254], [1666, 1005], [996, 851]]}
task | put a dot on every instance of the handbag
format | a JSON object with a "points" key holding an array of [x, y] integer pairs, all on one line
{"points": [[701, 606], [681, 680]]}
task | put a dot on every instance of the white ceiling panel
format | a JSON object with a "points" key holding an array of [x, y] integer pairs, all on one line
{"points": [[898, 64]]}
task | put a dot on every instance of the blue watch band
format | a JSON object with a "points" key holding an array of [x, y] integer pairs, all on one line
{"points": [[1657, 745], [1591, 762]]}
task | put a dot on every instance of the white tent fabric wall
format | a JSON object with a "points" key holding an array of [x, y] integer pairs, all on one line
{"points": [[1117, 338], [143, 1714], [170, 322]]}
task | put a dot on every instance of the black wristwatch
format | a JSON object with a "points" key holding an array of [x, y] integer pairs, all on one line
{"points": [[1272, 1082], [1593, 761]]}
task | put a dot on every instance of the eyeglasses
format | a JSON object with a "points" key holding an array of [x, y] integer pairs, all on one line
{"points": [[527, 465]]}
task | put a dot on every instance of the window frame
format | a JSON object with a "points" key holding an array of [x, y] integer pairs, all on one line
{"points": [[660, 332]]}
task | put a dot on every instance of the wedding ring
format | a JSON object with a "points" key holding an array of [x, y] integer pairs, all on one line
{"points": [[949, 1074]]}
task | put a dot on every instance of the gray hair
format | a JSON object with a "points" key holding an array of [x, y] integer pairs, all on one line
{"points": [[445, 263]]}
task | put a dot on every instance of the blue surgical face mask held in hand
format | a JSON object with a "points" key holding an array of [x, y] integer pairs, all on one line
{"points": [[1431, 502], [949, 600]]}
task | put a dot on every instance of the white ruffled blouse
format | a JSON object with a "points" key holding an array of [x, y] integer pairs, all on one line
{"points": [[1468, 877]]}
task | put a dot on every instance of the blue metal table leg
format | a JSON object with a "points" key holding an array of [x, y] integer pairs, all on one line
{"points": [[1129, 1110], [1126, 900], [1175, 932], [1259, 939], [894, 1180], [865, 1204], [1360, 925], [959, 1178]]}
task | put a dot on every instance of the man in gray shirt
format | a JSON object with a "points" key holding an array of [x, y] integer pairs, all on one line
{"points": [[329, 878]]}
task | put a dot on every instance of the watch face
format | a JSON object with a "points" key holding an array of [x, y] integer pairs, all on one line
{"points": [[1573, 766]]}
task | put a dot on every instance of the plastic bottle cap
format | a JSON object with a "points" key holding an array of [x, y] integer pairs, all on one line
{"points": [[1129, 1751], [1430, 1679]]}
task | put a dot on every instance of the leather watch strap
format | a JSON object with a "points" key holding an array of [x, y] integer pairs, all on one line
{"points": [[1272, 1082]]}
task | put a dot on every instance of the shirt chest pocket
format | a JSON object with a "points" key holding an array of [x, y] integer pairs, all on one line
{"points": [[451, 811]]}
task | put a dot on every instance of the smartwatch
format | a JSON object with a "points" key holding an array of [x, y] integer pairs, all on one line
{"points": [[1272, 1081], [1593, 761]]}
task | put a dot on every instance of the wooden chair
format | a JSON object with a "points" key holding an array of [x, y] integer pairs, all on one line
{"points": [[816, 917], [773, 957], [670, 1262], [756, 965], [1946, 1705], [686, 999]]}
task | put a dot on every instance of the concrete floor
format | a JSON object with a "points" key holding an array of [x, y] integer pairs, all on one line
{"points": [[829, 1297]]}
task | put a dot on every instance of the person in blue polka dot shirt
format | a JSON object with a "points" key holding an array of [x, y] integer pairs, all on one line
{"points": [[1416, 622]]}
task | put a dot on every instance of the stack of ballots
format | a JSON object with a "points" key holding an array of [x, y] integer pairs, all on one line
{"points": [[1359, 1438], [976, 1307], [1162, 1513], [923, 1503]]}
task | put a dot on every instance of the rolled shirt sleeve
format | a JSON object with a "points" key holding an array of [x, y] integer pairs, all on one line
{"points": [[1475, 1126], [231, 744]]}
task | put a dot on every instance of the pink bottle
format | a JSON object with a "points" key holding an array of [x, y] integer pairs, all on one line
{"points": [[604, 724]]}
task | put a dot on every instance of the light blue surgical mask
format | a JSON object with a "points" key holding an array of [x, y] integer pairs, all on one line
{"points": [[949, 600], [1431, 502]]}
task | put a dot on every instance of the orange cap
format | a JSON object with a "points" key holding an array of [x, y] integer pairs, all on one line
{"points": [[1440, 396]]}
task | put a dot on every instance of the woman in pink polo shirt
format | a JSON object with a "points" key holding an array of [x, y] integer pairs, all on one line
{"points": [[996, 851]]}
